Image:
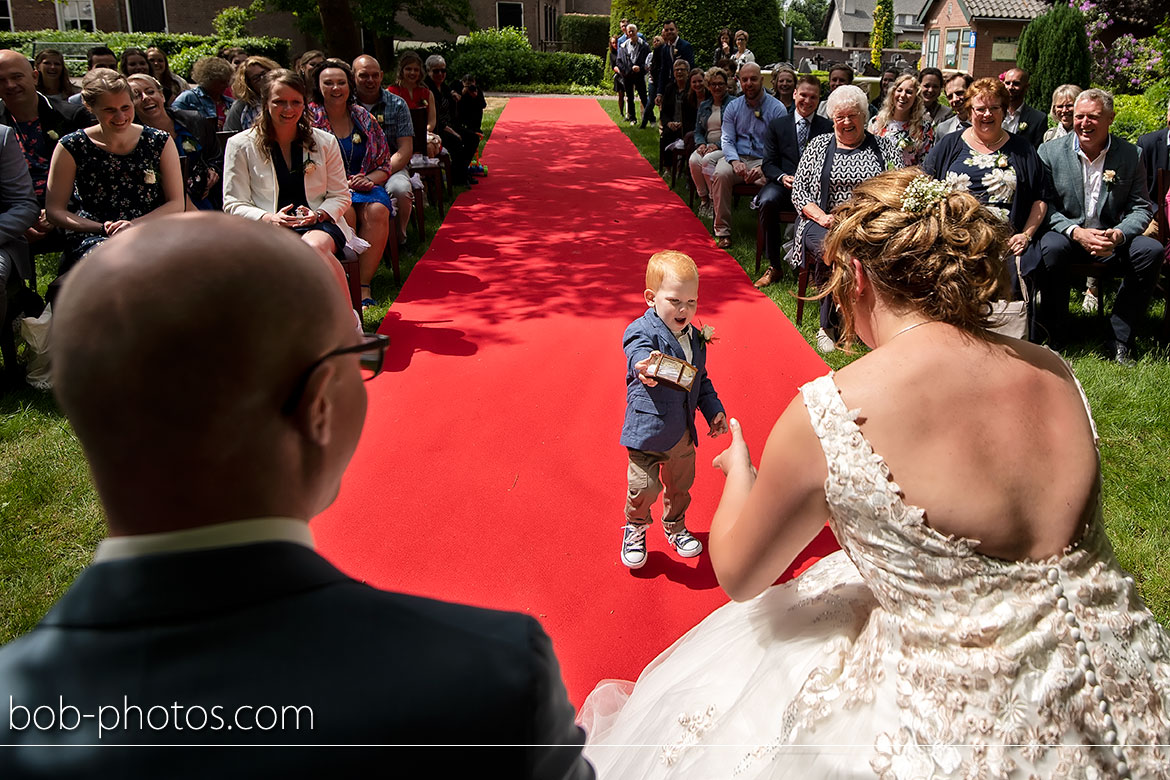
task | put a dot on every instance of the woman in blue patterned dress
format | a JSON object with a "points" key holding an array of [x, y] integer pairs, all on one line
{"points": [[903, 120], [119, 174], [1001, 169], [367, 160]]}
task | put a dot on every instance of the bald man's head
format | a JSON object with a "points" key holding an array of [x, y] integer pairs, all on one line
{"points": [[18, 85], [367, 72], [178, 342]]}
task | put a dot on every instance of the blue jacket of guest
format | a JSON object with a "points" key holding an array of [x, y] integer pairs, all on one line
{"points": [[657, 417], [704, 115], [195, 99]]}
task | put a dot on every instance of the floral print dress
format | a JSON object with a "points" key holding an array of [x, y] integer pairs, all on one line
{"points": [[913, 151], [110, 186], [989, 177]]}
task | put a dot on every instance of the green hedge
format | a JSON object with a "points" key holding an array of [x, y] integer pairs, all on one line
{"points": [[585, 33], [182, 49], [498, 57], [1136, 115]]}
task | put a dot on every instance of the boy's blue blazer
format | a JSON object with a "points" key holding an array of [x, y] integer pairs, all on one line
{"points": [[657, 417]]}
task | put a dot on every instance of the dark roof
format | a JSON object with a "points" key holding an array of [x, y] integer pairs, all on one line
{"points": [[1024, 10], [861, 20]]}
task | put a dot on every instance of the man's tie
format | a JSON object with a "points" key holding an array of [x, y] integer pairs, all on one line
{"points": [[801, 133]]}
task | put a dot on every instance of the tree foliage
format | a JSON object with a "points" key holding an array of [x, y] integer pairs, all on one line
{"points": [[700, 24], [807, 19], [882, 36], [1054, 49]]}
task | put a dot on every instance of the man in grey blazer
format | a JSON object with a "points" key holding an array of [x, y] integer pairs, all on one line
{"points": [[1020, 118], [1100, 210], [18, 211], [216, 426]]}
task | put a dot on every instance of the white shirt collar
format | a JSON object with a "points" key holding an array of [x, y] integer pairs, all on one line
{"points": [[205, 537]]}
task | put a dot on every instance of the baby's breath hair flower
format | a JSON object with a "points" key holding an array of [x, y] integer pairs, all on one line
{"points": [[924, 191]]}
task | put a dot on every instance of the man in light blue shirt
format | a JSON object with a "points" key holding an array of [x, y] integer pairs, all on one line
{"points": [[745, 122]]}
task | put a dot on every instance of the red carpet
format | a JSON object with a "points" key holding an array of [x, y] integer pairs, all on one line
{"points": [[489, 471]]}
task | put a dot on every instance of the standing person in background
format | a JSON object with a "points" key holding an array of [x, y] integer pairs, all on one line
{"points": [[889, 74], [742, 53], [903, 120], [96, 57], [391, 113], [673, 48], [652, 83], [930, 84], [631, 65], [840, 75], [1063, 98], [133, 61], [619, 86], [725, 48], [1021, 118], [52, 75], [160, 68], [784, 85], [308, 62]]}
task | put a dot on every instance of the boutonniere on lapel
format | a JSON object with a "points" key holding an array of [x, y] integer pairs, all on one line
{"points": [[706, 334], [381, 119], [188, 145], [1109, 177], [423, 103], [1022, 126], [52, 135], [310, 166], [759, 114], [1001, 160], [357, 138], [150, 177]]}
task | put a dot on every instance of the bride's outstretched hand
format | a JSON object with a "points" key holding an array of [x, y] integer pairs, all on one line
{"points": [[736, 456]]}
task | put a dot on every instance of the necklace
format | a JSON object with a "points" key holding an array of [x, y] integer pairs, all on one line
{"points": [[908, 327]]}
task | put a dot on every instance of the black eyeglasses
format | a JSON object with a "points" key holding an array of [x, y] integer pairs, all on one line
{"points": [[371, 354], [438, 70]]}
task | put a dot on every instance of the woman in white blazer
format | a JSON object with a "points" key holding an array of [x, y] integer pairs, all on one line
{"points": [[287, 173]]}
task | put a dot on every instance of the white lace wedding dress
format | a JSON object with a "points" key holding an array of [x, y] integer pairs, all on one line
{"points": [[905, 655]]}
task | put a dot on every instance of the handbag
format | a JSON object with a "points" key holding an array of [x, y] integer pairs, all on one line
{"points": [[1010, 318]]}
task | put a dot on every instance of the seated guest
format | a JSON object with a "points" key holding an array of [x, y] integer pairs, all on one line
{"points": [[96, 57], [708, 132], [194, 142], [211, 76], [903, 120], [1098, 213], [784, 143], [173, 84], [235, 56], [247, 83], [841, 160], [955, 89], [889, 74], [410, 87], [18, 212], [1153, 147], [308, 62], [133, 61], [930, 84], [1062, 111], [52, 75], [367, 161], [109, 177], [40, 122], [676, 115], [1021, 118], [1001, 169], [216, 426], [391, 113], [459, 143], [783, 86], [287, 173], [742, 140]]}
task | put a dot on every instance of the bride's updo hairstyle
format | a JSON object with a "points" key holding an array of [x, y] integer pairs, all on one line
{"points": [[929, 250]]}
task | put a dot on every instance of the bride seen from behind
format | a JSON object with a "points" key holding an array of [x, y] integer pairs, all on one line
{"points": [[975, 619]]}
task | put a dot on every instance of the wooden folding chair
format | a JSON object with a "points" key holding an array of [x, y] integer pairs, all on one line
{"points": [[431, 173]]}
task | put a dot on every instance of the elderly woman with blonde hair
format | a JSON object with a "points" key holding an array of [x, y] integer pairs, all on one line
{"points": [[1063, 98]]}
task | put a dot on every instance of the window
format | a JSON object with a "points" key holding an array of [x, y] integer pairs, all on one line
{"points": [[550, 23], [951, 52], [6, 15], [510, 15], [932, 49], [147, 15], [964, 48], [75, 15]]}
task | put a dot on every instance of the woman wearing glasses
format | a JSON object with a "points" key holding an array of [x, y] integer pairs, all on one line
{"points": [[1001, 169], [831, 166], [247, 85], [708, 126]]}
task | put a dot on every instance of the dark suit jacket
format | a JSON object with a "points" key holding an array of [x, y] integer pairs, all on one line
{"points": [[657, 417], [275, 625], [664, 65], [626, 63], [1036, 123], [670, 95], [781, 151], [1154, 157], [58, 116], [1124, 204]]}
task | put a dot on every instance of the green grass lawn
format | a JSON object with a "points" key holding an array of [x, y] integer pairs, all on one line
{"points": [[50, 519], [1131, 405]]}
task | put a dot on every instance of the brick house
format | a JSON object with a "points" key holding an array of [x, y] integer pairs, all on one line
{"points": [[976, 36], [173, 16], [849, 23]]}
